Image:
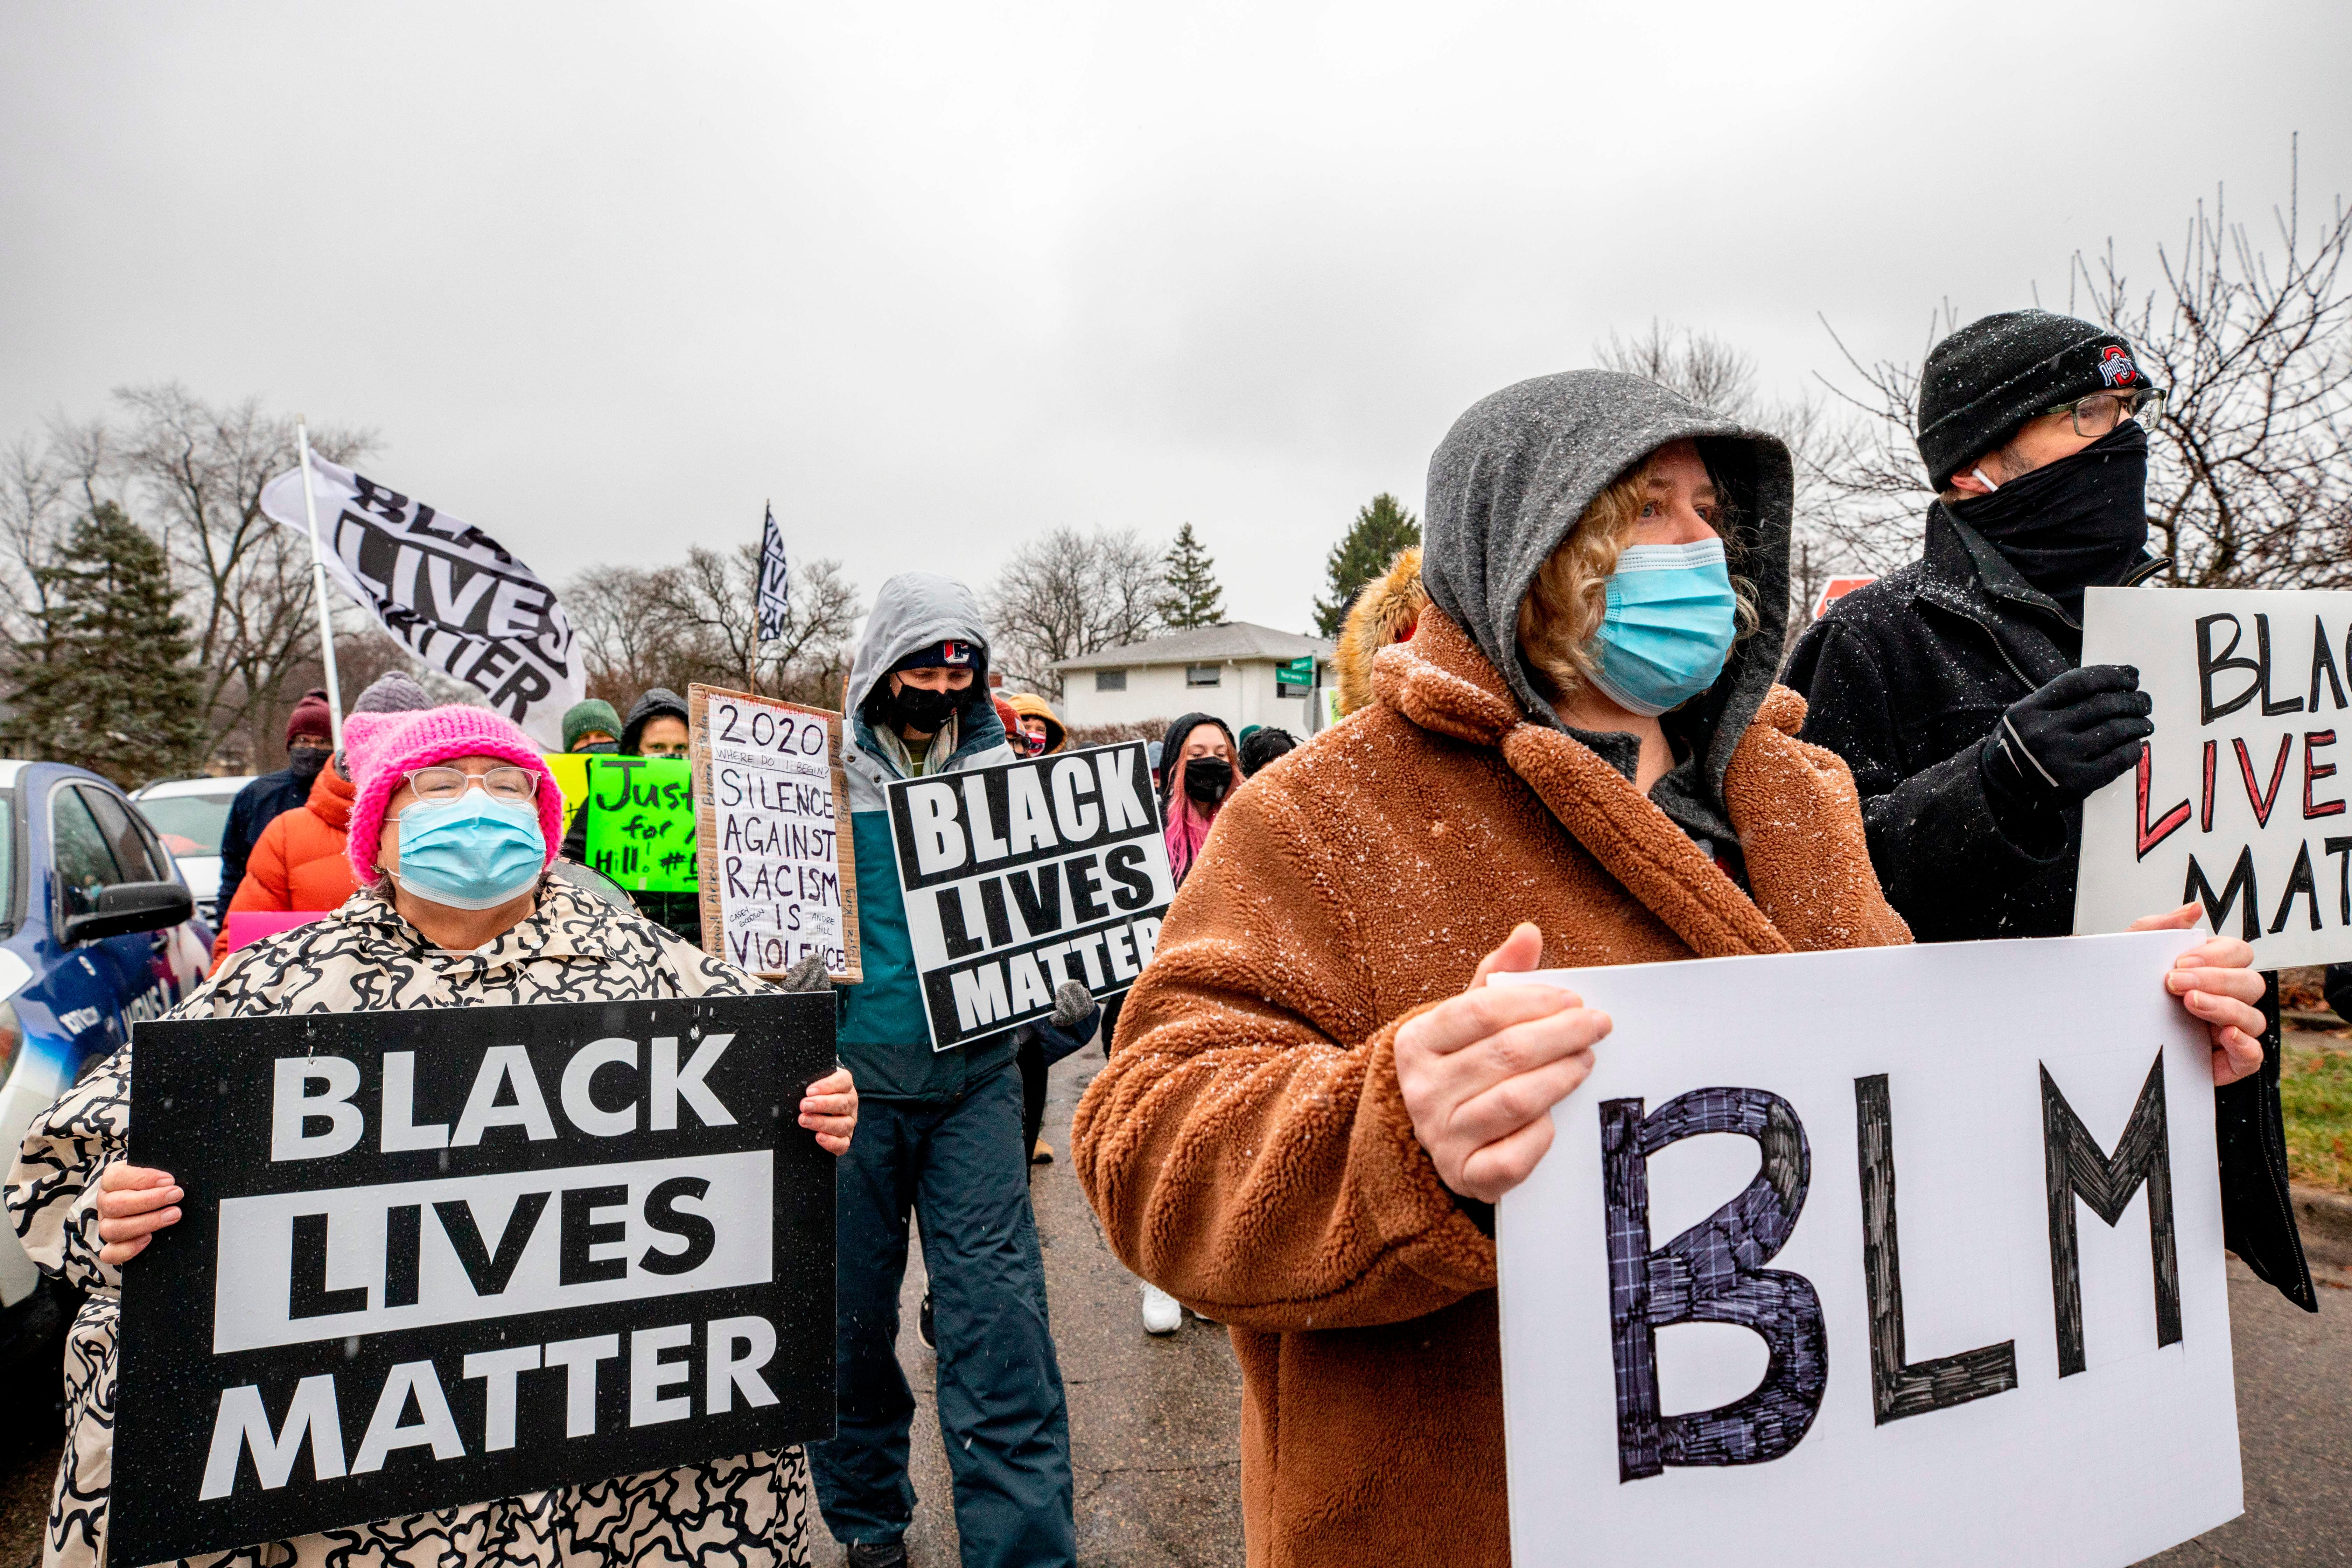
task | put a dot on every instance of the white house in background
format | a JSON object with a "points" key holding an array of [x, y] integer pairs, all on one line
{"points": [[1229, 670]]}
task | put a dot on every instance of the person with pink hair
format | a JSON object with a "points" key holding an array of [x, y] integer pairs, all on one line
{"points": [[454, 820]]}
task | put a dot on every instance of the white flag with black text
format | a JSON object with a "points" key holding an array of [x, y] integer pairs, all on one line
{"points": [[448, 590], [775, 582]]}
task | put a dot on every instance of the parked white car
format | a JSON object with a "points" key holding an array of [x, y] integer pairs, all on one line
{"points": [[190, 816]]}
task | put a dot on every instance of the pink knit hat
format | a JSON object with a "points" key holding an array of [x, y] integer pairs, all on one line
{"points": [[388, 747]]}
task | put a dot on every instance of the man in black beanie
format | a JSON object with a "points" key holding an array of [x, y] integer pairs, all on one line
{"points": [[1953, 688]]}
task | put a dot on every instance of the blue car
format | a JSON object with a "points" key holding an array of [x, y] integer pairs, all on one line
{"points": [[98, 930]]}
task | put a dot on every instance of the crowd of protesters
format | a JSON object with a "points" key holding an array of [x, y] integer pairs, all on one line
{"points": [[1568, 702]]}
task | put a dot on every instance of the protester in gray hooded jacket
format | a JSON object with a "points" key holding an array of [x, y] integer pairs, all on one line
{"points": [[941, 1135]]}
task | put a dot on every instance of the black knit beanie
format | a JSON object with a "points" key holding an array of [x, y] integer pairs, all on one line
{"points": [[1992, 375]]}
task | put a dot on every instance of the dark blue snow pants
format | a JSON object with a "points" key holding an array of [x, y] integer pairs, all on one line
{"points": [[961, 1169]]}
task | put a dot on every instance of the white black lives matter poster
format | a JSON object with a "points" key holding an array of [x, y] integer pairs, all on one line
{"points": [[1022, 876], [435, 1257], [2239, 803]]}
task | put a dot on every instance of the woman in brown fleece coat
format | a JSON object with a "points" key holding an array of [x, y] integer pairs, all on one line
{"points": [[1314, 1100]]}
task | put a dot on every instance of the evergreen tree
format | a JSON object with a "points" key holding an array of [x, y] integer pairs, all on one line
{"points": [[107, 683], [1193, 598], [1381, 529]]}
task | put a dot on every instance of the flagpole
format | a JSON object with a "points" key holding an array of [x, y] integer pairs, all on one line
{"points": [[319, 580], [759, 578]]}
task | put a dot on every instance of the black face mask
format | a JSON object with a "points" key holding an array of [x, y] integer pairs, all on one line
{"points": [[600, 748], [2079, 522], [306, 763], [924, 711], [1206, 779]]}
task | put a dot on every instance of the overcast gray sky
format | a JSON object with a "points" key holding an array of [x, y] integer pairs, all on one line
{"points": [[936, 277]]}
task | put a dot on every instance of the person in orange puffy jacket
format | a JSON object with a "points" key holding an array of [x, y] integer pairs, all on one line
{"points": [[298, 863]]}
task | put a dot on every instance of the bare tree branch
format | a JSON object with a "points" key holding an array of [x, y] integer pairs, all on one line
{"points": [[1070, 593]]}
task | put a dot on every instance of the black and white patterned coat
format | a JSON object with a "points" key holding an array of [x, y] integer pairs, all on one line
{"points": [[745, 1512]]}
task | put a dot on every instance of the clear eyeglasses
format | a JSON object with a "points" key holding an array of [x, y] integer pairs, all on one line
{"points": [[2099, 413], [513, 784]]}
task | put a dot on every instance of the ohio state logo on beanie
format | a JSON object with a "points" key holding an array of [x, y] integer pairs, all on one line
{"points": [[2115, 367], [951, 654]]}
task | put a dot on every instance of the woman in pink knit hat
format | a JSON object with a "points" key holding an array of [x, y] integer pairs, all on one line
{"points": [[453, 824]]}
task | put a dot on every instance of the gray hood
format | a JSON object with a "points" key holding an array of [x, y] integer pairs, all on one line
{"points": [[915, 609], [1515, 473]]}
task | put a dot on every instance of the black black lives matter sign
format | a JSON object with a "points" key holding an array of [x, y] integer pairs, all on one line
{"points": [[435, 1257], [1020, 877]]}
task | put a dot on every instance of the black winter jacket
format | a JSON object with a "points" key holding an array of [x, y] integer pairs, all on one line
{"points": [[1904, 679], [257, 805]]}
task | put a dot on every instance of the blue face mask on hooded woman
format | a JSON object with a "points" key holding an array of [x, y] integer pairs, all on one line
{"points": [[1670, 623], [471, 852]]}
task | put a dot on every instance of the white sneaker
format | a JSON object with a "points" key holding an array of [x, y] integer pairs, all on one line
{"points": [[1161, 1312]]}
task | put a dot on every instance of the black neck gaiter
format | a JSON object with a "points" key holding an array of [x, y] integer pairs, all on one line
{"points": [[2079, 522]]}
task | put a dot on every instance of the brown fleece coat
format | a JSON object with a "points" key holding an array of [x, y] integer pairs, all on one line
{"points": [[1249, 1147], [1384, 613]]}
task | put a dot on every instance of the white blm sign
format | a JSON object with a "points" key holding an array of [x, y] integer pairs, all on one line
{"points": [[2237, 802], [1731, 1333], [1024, 876]]}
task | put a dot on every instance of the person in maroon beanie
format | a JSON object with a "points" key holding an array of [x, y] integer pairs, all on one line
{"points": [[310, 742]]}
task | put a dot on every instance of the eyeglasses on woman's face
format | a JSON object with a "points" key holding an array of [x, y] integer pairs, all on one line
{"points": [[509, 783]]}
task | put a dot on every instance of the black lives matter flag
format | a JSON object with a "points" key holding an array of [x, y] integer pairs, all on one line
{"points": [[1020, 877], [775, 582], [436, 1257], [453, 594]]}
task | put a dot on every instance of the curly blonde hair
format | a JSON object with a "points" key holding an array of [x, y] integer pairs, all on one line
{"points": [[1569, 599]]}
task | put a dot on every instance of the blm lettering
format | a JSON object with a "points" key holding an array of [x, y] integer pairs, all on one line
{"points": [[1021, 877], [1711, 1273]]}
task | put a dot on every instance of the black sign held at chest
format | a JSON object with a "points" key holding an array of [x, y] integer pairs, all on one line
{"points": [[1021, 877], [435, 1257]]}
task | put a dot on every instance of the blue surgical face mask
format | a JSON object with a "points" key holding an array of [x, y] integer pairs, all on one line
{"points": [[471, 852], [1670, 623]]}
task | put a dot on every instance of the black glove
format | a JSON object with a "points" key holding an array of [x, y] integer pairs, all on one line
{"points": [[2054, 747], [1073, 1005]]}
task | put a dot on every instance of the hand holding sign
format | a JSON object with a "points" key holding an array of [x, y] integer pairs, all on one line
{"points": [[2217, 983], [829, 1110], [133, 1204], [1480, 1072], [2080, 731]]}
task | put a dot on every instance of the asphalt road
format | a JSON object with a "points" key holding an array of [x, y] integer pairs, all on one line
{"points": [[1153, 1421]]}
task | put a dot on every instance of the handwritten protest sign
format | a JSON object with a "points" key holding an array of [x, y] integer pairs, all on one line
{"points": [[641, 823], [779, 879], [1721, 1349], [2238, 800], [433, 1257], [1022, 875]]}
